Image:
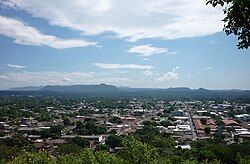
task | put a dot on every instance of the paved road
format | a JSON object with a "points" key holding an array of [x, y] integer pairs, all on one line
{"points": [[192, 125]]}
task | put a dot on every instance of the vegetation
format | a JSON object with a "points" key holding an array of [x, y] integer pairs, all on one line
{"points": [[207, 130], [237, 20], [115, 120], [146, 145], [89, 128]]}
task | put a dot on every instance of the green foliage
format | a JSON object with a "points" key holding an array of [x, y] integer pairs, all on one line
{"points": [[2, 133], [207, 130], [104, 157], [166, 123], [87, 157], [66, 120], [137, 152], [34, 158], [203, 121], [152, 136], [54, 131], [237, 20], [113, 131], [102, 147], [114, 141], [89, 128], [116, 120], [7, 152], [81, 142], [70, 148]]}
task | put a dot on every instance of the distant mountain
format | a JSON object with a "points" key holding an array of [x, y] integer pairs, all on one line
{"points": [[111, 88], [179, 89], [104, 90], [27, 88], [202, 90], [81, 88]]}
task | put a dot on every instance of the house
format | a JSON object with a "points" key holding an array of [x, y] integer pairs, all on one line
{"points": [[197, 124], [183, 118], [227, 122], [211, 124], [201, 112], [177, 113], [182, 130], [242, 117]]}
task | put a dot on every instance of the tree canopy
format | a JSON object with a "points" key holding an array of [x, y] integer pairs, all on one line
{"points": [[237, 20]]}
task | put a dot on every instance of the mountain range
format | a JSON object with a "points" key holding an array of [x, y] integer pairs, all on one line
{"points": [[111, 88], [98, 88], [104, 90]]}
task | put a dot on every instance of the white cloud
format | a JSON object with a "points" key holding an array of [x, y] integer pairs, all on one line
{"points": [[66, 79], [3, 77], [130, 19], [173, 53], [171, 75], [147, 50], [214, 42], [147, 73], [15, 66], [27, 35], [7, 5], [123, 66], [208, 68]]}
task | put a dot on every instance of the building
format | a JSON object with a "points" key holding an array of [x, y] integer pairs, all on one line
{"points": [[242, 117], [226, 123]]}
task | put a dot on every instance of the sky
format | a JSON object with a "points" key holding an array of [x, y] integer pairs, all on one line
{"points": [[134, 43]]}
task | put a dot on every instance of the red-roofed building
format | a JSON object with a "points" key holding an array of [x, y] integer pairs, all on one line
{"points": [[227, 122], [211, 124], [197, 124]]}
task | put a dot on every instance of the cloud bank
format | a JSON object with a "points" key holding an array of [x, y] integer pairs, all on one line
{"points": [[123, 66], [27, 35], [130, 19]]}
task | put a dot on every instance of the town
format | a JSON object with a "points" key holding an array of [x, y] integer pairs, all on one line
{"points": [[99, 123]]}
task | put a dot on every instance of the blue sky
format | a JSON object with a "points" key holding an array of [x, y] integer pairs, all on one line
{"points": [[134, 43]]}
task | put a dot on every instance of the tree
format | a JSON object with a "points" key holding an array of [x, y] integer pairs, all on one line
{"points": [[2, 133], [115, 120], [237, 20], [45, 133], [203, 121], [248, 109], [113, 131], [100, 130], [165, 123], [86, 156], [33, 157], [137, 152], [81, 142], [66, 121], [106, 158], [114, 141], [68, 149], [102, 147], [207, 130]]}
